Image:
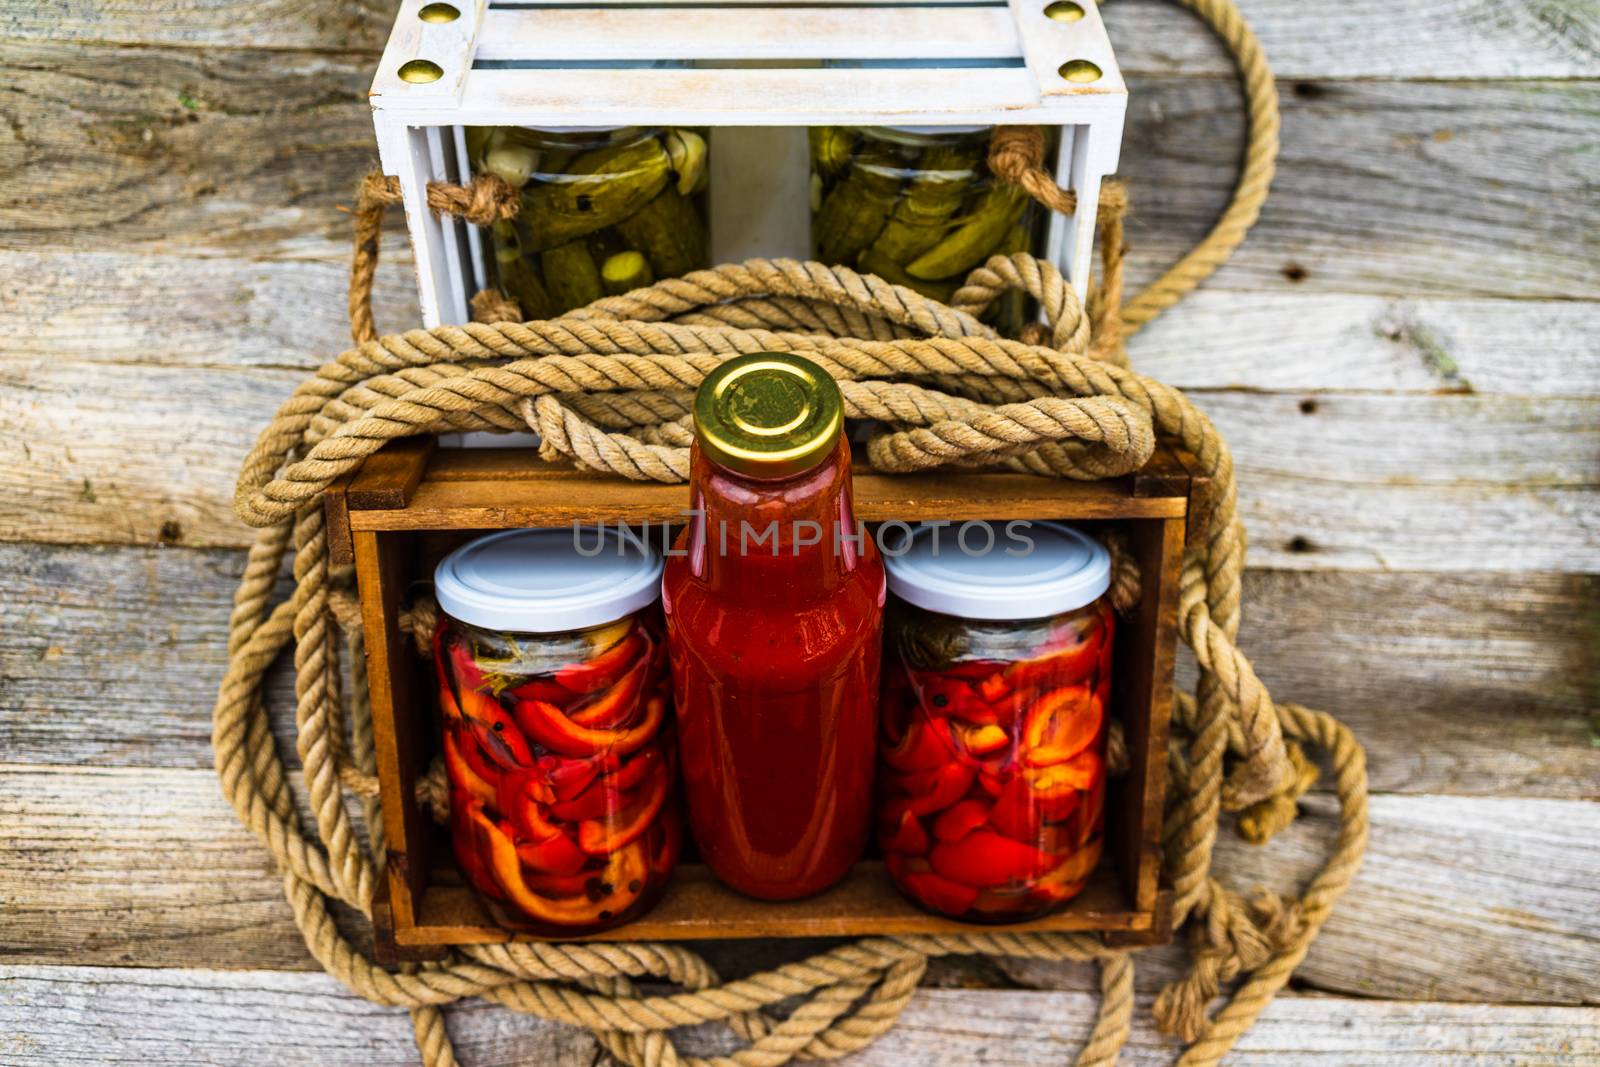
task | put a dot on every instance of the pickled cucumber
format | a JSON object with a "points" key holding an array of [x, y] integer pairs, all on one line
{"points": [[599, 189], [944, 174], [991, 219], [668, 231], [687, 150], [874, 262], [857, 208], [625, 271], [830, 149], [571, 275]]}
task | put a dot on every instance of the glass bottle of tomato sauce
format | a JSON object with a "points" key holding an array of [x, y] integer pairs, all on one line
{"points": [[774, 603]]}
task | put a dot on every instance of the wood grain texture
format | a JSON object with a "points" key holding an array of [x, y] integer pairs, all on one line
{"points": [[189, 1018], [225, 310], [129, 454], [1315, 342], [167, 149], [1460, 898], [228, 311], [1436, 39], [1461, 188], [1404, 188], [1457, 899], [1458, 683]]}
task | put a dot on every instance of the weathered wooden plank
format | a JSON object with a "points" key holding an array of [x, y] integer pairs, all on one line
{"points": [[118, 453], [1486, 898], [1312, 342], [1441, 39], [1461, 187], [111, 657], [1404, 188], [189, 149], [1457, 899], [136, 867], [229, 311], [102, 1016]]}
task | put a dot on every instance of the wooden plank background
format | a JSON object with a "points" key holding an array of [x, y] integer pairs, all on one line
{"points": [[1403, 356]]}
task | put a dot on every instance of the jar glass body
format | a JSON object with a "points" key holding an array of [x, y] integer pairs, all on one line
{"points": [[918, 208], [559, 753], [774, 599], [992, 759], [602, 211]]}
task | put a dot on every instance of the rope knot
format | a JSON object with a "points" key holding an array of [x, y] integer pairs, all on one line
{"points": [[488, 199], [1260, 821], [1016, 157], [1236, 937]]}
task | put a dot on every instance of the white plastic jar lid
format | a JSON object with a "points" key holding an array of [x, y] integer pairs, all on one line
{"points": [[536, 581], [1029, 570]]}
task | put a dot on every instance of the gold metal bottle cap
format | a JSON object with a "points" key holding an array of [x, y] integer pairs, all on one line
{"points": [[768, 415]]}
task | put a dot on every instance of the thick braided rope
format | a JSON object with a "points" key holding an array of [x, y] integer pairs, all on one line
{"points": [[853, 993]]}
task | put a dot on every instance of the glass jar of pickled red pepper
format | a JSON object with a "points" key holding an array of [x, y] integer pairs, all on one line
{"points": [[603, 211], [917, 206], [997, 679], [552, 674]]}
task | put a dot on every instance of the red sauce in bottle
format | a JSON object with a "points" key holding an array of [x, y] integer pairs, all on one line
{"points": [[774, 601]]}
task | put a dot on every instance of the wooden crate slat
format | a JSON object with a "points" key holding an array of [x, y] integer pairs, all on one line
{"points": [[697, 906], [448, 44], [675, 32], [1047, 44]]}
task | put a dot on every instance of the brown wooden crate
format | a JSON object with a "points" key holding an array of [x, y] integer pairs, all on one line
{"points": [[419, 503]]}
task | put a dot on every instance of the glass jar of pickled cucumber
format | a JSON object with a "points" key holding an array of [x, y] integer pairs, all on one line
{"points": [[917, 206], [603, 211], [996, 689], [558, 743]]}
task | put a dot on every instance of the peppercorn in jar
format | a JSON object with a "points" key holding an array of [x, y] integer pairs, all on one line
{"points": [[552, 673], [997, 682], [603, 211], [917, 206]]}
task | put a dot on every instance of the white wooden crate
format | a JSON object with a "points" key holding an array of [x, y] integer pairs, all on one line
{"points": [[758, 72]]}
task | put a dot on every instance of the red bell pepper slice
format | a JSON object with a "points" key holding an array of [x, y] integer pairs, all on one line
{"points": [[615, 705], [553, 855], [904, 835], [496, 731], [1086, 820], [463, 776], [1061, 724], [447, 695], [620, 827], [1084, 771], [943, 695], [983, 740], [549, 726], [604, 796], [469, 847], [1058, 667], [1073, 867], [984, 858], [961, 819], [925, 746], [994, 687], [531, 818], [666, 851], [541, 688], [568, 777], [604, 669], [506, 866], [940, 894], [950, 784]]}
